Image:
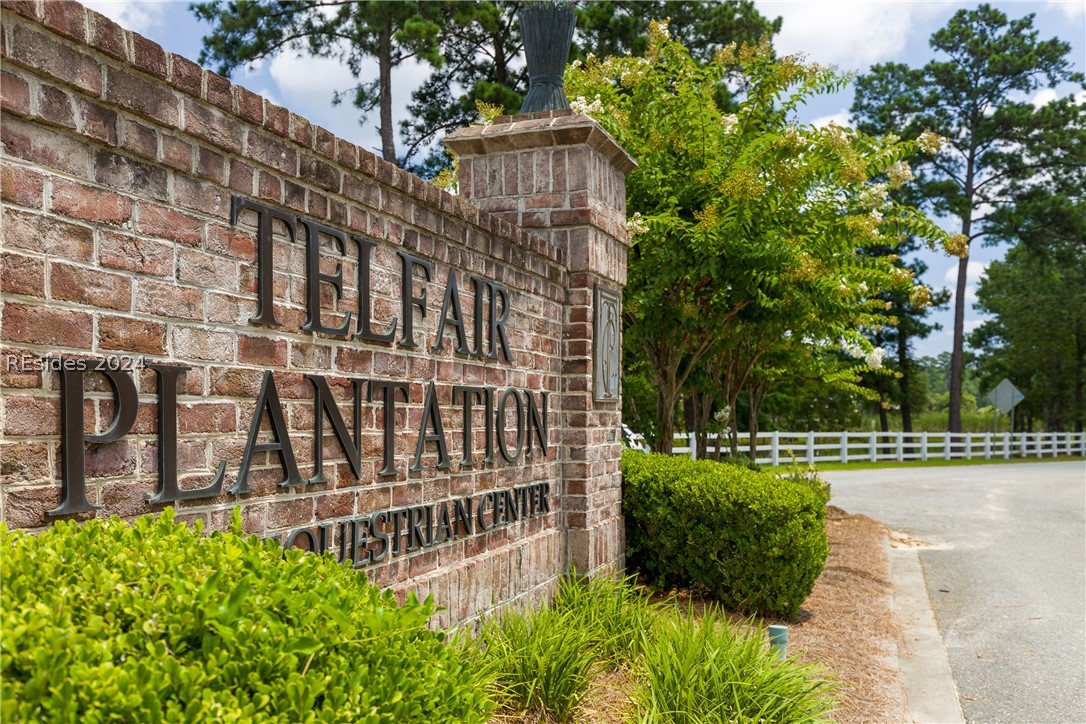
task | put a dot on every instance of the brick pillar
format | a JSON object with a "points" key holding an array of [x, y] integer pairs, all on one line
{"points": [[563, 177]]}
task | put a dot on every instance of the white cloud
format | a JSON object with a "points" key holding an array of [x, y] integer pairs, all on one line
{"points": [[974, 271], [1043, 97], [307, 85], [141, 17], [840, 118], [1073, 9], [849, 34]]}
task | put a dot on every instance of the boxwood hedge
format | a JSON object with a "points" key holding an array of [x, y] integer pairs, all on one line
{"points": [[752, 540], [157, 622]]}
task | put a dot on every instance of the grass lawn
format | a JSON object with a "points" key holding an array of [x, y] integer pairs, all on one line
{"points": [[924, 463]]}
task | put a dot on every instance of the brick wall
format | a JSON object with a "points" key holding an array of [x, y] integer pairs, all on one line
{"points": [[121, 163]]}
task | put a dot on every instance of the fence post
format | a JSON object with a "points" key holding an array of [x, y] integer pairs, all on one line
{"points": [[1006, 446], [946, 446], [873, 449], [810, 447], [1039, 444], [844, 446], [900, 448], [968, 445], [924, 446], [775, 448], [987, 446], [692, 441]]}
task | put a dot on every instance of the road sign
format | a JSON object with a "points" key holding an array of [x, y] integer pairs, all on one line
{"points": [[1005, 396]]}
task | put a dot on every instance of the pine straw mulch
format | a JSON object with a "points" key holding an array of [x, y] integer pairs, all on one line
{"points": [[848, 625]]}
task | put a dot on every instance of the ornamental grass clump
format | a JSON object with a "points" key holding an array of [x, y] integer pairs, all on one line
{"points": [[615, 614], [155, 621], [753, 541], [706, 670]]}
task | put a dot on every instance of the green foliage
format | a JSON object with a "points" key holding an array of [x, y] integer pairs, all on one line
{"points": [[707, 671], [751, 219], [542, 659], [617, 616], [1002, 152], [753, 541], [154, 621], [806, 475]]}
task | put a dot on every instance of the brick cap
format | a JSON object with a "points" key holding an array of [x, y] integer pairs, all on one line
{"points": [[551, 129]]}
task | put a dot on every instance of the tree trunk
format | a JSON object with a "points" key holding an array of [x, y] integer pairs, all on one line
{"points": [[667, 394], [384, 65], [957, 355]]}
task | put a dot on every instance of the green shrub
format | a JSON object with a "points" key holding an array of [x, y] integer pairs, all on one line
{"points": [[707, 671], [806, 474], [543, 659], [155, 621], [751, 540]]}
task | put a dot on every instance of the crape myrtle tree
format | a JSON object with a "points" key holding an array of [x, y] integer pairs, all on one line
{"points": [[975, 95], [745, 223]]}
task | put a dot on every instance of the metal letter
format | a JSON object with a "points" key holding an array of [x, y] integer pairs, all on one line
{"points": [[268, 399], [324, 402], [168, 489], [407, 295], [365, 302], [314, 277], [431, 416], [500, 423], [537, 423], [73, 474], [265, 255], [389, 388], [452, 297]]}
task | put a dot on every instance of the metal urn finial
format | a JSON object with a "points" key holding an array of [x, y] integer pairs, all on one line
{"points": [[547, 28]]}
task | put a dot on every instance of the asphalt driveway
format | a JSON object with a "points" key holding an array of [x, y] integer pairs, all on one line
{"points": [[1003, 548]]}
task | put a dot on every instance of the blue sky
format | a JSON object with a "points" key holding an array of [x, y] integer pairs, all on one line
{"points": [[850, 35]]}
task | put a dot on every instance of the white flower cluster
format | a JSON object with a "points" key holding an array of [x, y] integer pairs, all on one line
{"points": [[899, 173], [874, 358], [930, 142], [875, 196], [723, 414], [581, 105], [575, 64], [730, 121], [854, 351], [636, 225]]}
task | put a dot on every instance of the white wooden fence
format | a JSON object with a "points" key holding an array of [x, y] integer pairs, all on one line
{"points": [[777, 448]]}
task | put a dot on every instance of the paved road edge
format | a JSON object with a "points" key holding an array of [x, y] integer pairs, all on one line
{"points": [[930, 693]]}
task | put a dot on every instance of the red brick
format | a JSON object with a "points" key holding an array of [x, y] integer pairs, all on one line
{"points": [[22, 462], [169, 300], [126, 499], [47, 327], [210, 165], [229, 309], [19, 369], [272, 152], [149, 56], [26, 8], [276, 118], [25, 507], [14, 94], [110, 460], [199, 195], [186, 75], [143, 256], [262, 351], [25, 415], [271, 187], [123, 173], [218, 91], [206, 270], [131, 335], [290, 513], [142, 97], [139, 139], [90, 204], [301, 130], [335, 505], [195, 343], [43, 53], [22, 275], [204, 417], [235, 382], [176, 153], [166, 223], [47, 235], [89, 286], [250, 105], [46, 147], [67, 18], [108, 36], [232, 242], [212, 125], [99, 122], [21, 186], [241, 176]]}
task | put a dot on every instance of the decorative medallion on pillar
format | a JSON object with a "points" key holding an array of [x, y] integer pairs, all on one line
{"points": [[607, 338]]}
